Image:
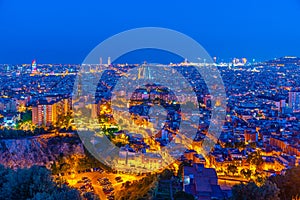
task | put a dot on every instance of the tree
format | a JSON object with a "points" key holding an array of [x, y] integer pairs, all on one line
{"points": [[181, 166], [180, 195], [25, 183], [63, 193], [3, 173], [33, 183], [244, 191], [232, 169], [251, 191], [269, 191], [166, 175], [288, 184], [259, 178]]}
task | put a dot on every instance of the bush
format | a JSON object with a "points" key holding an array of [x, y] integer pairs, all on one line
{"points": [[33, 183]]}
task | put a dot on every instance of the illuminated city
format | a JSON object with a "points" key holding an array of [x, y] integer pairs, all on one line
{"points": [[259, 137], [120, 100]]}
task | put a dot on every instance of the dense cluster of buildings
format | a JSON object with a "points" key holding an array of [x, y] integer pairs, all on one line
{"points": [[263, 113]]}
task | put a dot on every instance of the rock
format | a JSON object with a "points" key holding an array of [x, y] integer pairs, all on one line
{"points": [[24, 153]]}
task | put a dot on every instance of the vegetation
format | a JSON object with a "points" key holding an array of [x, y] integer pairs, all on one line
{"points": [[232, 169], [25, 122], [168, 185], [90, 196], [180, 195], [34, 183], [16, 134], [284, 187], [255, 158], [251, 191], [180, 170], [75, 163], [25, 127], [246, 173], [141, 189], [166, 175], [289, 184], [64, 122]]}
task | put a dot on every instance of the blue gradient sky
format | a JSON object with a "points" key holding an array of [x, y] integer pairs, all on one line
{"points": [[63, 31]]}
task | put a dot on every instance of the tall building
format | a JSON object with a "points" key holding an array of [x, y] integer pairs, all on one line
{"points": [[100, 66], [35, 115], [33, 67], [109, 61], [294, 101], [44, 114]]}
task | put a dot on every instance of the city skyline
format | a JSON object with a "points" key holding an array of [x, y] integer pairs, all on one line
{"points": [[124, 60], [259, 138], [139, 100]]}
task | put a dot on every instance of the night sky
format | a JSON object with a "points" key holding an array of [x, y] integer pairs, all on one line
{"points": [[63, 31]]}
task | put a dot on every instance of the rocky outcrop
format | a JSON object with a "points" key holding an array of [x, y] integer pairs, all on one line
{"points": [[21, 153]]}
